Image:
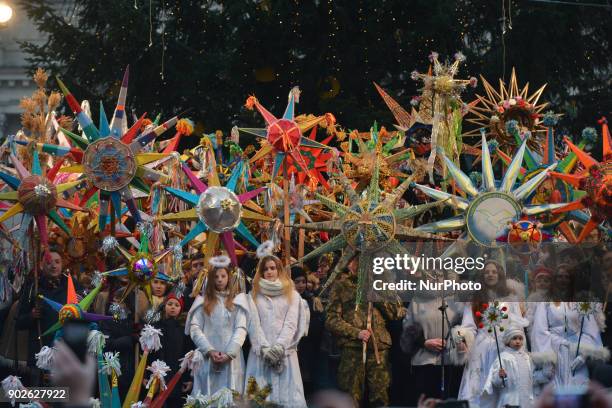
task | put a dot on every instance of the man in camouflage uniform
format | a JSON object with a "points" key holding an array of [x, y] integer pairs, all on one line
{"points": [[349, 325]]}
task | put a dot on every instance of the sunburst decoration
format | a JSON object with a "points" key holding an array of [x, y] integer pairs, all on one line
{"points": [[36, 197], [283, 137], [502, 105], [486, 212], [367, 226], [111, 157], [596, 181]]}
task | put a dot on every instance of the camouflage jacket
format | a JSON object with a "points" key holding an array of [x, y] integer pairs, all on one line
{"points": [[345, 322]]}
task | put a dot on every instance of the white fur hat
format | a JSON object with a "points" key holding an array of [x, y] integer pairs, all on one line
{"points": [[221, 261], [265, 249], [511, 332]]}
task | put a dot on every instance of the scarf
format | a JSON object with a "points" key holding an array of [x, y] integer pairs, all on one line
{"points": [[271, 288]]}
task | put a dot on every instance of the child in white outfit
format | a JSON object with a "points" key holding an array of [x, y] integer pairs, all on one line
{"points": [[513, 382]]}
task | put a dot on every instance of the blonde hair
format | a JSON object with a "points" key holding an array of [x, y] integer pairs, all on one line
{"points": [[312, 278], [210, 293], [283, 276]]}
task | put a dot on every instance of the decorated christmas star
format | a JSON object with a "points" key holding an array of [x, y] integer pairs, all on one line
{"points": [[596, 181], [315, 158], [283, 137], [217, 210], [446, 114], [73, 309], [366, 226], [36, 197], [142, 267], [371, 154], [111, 158], [486, 211], [551, 190], [491, 317], [498, 107]]}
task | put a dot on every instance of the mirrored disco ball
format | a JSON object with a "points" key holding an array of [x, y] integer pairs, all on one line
{"points": [[219, 208]]}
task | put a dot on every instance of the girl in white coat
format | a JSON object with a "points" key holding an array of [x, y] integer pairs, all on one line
{"points": [[556, 327], [278, 318], [218, 328]]}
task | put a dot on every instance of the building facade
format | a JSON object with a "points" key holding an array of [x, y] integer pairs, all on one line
{"points": [[15, 82]]}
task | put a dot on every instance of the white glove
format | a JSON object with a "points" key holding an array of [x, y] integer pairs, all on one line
{"points": [[277, 352], [577, 363]]}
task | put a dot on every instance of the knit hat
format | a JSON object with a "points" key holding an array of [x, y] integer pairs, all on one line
{"points": [[512, 331], [172, 295]]}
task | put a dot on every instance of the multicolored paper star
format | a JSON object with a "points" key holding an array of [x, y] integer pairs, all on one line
{"points": [[283, 137], [111, 158], [596, 181], [36, 197], [73, 309], [366, 226]]}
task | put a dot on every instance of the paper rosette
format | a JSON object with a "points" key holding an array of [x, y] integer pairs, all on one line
{"points": [[158, 369], [192, 361]]}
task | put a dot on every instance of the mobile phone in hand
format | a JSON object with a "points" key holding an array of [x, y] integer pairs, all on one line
{"points": [[76, 333]]}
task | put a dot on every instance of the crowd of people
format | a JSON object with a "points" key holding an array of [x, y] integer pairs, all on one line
{"points": [[286, 332]]}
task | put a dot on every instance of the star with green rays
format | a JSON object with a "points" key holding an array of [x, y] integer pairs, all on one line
{"points": [[217, 210], [486, 212], [374, 153], [141, 268], [36, 197], [367, 226], [110, 158]]}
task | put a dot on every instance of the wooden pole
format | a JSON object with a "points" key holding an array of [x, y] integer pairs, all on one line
{"points": [[499, 355], [36, 253], [287, 218], [301, 238], [370, 311]]}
